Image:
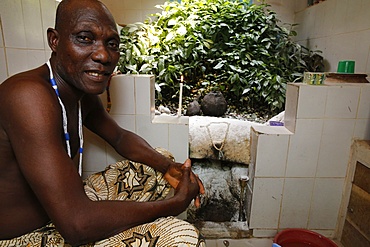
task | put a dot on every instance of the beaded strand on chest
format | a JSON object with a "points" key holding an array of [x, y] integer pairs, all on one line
{"points": [[65, 121]]}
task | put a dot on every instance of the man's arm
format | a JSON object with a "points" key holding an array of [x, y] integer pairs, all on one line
{"points": [[32, 119], [126, 143], [130, 145]]}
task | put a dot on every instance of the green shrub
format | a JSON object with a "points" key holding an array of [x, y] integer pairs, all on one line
{"points": [[226, 45]]}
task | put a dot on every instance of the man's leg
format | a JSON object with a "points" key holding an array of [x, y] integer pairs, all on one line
{"points": [[164, 232], [127, 180], [46, 236]]}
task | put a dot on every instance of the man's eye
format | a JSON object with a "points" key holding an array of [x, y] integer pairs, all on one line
{"points": [[113, 44], [83, 38]]}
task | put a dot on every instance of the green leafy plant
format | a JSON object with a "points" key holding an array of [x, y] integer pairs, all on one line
{"points": [[230, 46]]}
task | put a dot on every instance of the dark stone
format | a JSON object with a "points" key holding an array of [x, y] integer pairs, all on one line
{"points": [[216, 210], [193, 109], [214, 104]]}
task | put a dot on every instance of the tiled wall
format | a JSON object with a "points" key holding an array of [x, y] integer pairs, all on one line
{"points": [[23, 28], [299, 171], [339, 28]]}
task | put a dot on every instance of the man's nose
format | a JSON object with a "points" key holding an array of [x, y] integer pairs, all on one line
{"points": [[101, 54]]}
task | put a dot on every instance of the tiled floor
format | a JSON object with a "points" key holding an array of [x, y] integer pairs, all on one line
{"points": [[251, 242]]}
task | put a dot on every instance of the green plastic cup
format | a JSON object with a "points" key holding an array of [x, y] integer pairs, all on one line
{"points": [[346, 66]]}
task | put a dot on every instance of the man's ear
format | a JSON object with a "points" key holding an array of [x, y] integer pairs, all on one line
{"points": [[53, 38]]}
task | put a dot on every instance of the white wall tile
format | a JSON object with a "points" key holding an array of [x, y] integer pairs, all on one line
{"points": [[179, 141], [304, 148], [132, 16], [266, 202], [35, 58], [364, 15], [155, 134], [284, 12], [127, 122], [253, 155], [340, 20], [341, 47], [17, 60], [299, 18], [362, 129], [312, 101], [112, 4], [327, 27], [85, 174], [33, 24], [299, 5], [271, 155], [133, 4], [320, 21], [325, 203], [211, 242], [1, 31], [147, 13], [309, 22], [319, 44], [47, 54], [291, 104], [356, 16], [262, 234], [296, 202], [48, 9], [13, 24], [3, 69], [122, 95], [335, 146], [94, 158], [144, 94], [112, 155], [152, 3], [362, 51], [364, 105], [342, 102]]}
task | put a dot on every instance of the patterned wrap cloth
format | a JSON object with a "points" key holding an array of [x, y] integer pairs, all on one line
{"points": [[131, 181]]}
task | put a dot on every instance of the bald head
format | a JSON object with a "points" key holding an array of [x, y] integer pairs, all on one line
{"points": [[69, 10], [85, 40]]}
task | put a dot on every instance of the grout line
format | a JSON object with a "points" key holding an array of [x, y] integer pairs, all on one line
{"points": [[4, 48]]}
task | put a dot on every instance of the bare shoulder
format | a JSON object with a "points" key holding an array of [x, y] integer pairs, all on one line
{"points": [[25, 82], [25, 92], [27, 107], [24, 87]]}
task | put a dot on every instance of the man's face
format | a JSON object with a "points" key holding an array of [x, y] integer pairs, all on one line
{"points": [[88, 50]]}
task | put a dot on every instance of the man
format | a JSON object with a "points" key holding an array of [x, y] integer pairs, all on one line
{"points": [[44, 202]]}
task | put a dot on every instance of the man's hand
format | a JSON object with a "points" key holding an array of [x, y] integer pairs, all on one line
{"points": [[174, 174]]}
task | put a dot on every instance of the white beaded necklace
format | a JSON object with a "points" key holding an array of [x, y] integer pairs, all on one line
{"points": [[65, 120]]}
